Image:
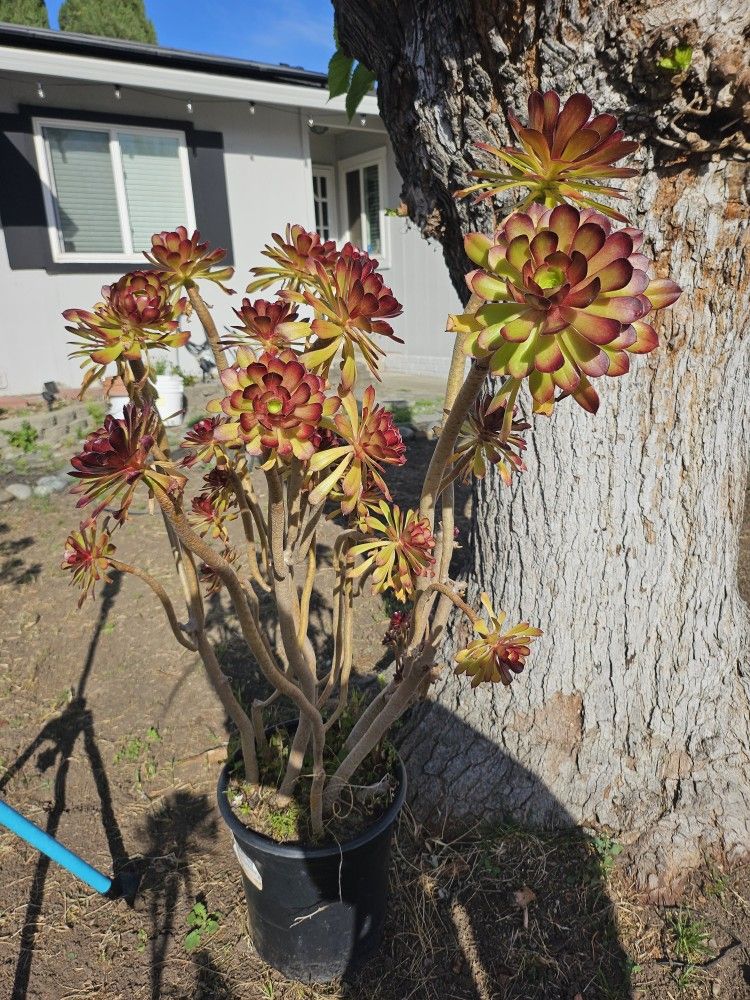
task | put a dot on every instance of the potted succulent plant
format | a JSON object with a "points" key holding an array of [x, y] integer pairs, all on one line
{"points": [[560, 295]]}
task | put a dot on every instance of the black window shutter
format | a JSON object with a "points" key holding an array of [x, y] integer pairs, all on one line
{"points": [[22, 212], [21, 202], [206, 155]]}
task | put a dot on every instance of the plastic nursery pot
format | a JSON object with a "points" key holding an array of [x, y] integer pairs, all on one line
{"points": [[315, 913]]}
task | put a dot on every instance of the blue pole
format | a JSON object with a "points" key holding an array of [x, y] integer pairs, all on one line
{"points": [[42, 841]]}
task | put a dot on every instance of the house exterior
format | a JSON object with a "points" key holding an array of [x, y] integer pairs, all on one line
{"points": [[103, 142]]}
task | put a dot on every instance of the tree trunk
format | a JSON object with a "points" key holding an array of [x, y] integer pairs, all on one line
{"points": [[621, 540]]}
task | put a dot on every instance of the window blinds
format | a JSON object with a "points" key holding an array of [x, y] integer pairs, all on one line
{"points": [[88, 218]]}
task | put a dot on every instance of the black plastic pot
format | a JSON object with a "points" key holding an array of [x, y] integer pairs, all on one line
{"points": [[315, 913]]}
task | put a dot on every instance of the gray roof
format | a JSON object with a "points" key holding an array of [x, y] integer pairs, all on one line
{"points": [[117, 50]]}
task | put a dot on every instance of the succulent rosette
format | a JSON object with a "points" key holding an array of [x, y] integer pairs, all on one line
{"points": [[367, 443], [274, 404], [209, 516], [496, 655], [137, 314], [219, 486], [399, 551], [117, 457], [565, 154], [87, 555], [566, 298], [488, 438], [266, 323], [210, 578], [351, 302], [201, 441], [186, 259], [295, 258]]}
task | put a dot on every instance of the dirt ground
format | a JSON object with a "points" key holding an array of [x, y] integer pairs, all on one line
{"points": [[111, 740]]}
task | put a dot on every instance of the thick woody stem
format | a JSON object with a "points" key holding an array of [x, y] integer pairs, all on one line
{"points": [[209, 327], [301, 665], [161, 593], [392, 710], [251, 632], [235, 711], [307, 590], [450, 431], [249, 529]]}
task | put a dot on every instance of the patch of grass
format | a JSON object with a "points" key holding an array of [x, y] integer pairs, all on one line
{"points": [[717, 885], [24, 439], [97, 411], [284, 823], [685, 978], [138, 750], [406, 413], [690, 936], [202, 923]]}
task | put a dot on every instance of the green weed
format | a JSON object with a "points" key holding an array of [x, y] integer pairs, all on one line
{"points": [[24, 439], [202, 923]]}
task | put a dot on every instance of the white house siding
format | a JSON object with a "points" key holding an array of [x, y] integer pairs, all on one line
{"points": [[267, 159]]}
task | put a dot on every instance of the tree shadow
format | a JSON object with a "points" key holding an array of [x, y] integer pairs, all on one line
{"points": [[13, 569], [57, 740], [455, 884], [182, 826]]}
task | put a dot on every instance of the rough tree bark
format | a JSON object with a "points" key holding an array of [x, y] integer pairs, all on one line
{"points": [[621, 541]]}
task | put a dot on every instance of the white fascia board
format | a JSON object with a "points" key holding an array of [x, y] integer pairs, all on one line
{"points": [[185, 82]]}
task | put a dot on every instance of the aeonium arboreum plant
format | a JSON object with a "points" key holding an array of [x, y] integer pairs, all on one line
{"points": [[560, 297]]}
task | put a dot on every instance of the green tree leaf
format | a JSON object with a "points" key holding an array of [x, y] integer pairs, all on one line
{"points": [[339, 73], [362, 80], [32, 13], [125, 19]]}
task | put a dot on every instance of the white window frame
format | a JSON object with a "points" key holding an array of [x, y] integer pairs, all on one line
{"points": [[376, 157], [46, 174], [329, 172]]}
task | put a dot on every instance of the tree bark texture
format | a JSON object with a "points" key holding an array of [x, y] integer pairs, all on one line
{"points": [[621, 540]]}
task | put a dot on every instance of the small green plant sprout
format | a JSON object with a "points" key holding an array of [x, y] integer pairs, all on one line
{"points": [[24, 439], [689, 936], [202, 923], [607, 851], [677, 60]]}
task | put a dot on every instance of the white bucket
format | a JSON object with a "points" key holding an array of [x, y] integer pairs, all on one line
{"points": [[117, 405], [170, 400]]}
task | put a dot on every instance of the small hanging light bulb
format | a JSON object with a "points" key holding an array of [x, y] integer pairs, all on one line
{"points": [[189, 107], [363, 120], [118, 92], [40, 91], [251, 107], [310, 122]]}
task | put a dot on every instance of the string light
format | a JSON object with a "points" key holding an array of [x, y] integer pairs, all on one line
{"points": [[118, 92], [189, 107], [251, 107], [363, 120], [40, 91], [310, 122]]}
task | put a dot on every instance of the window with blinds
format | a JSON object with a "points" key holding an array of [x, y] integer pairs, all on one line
{"points": [[362, 183], [107, 189]]}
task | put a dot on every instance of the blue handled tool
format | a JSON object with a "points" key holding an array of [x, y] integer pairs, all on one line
{"points": [[123, 885]]}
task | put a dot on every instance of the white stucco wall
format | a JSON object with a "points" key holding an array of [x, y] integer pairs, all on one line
{"points": [[267, 159]]}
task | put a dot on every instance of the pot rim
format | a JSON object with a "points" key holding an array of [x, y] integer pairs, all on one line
{"points": [[299, 851]]}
